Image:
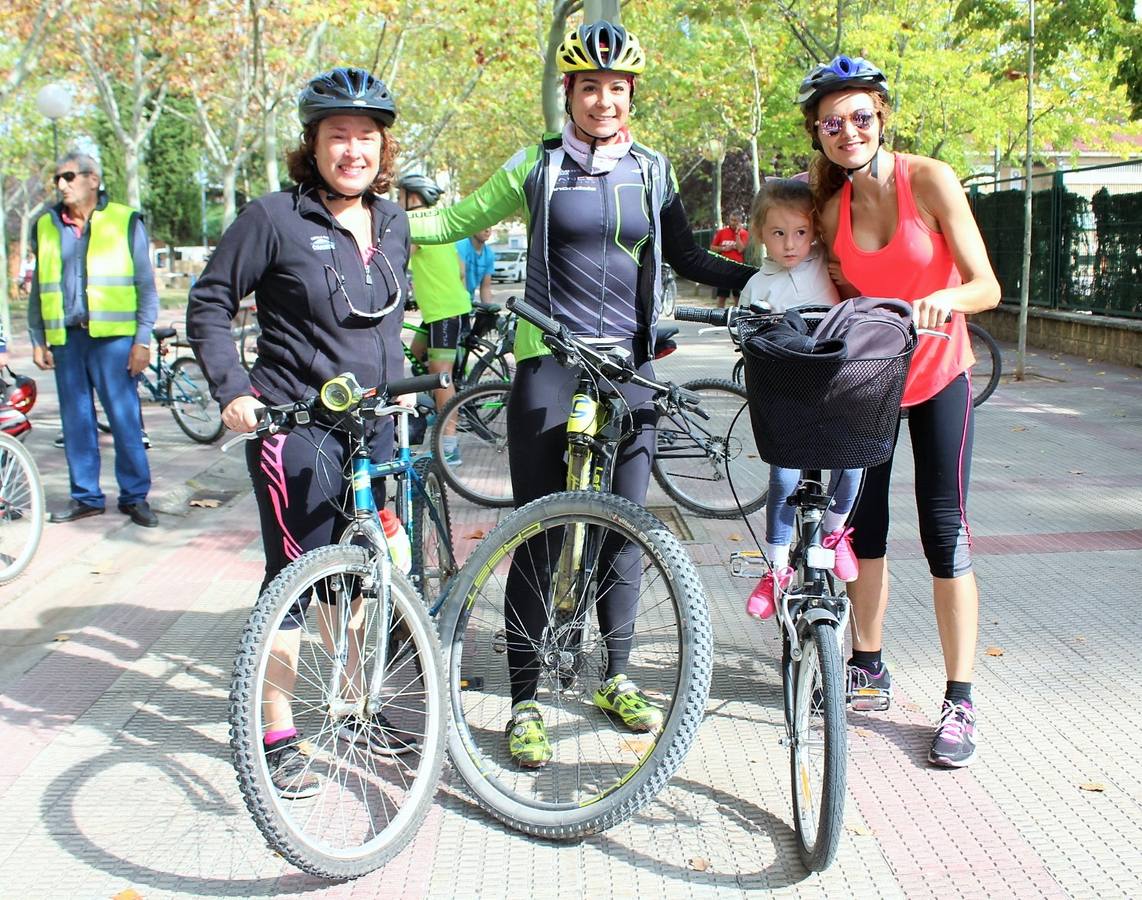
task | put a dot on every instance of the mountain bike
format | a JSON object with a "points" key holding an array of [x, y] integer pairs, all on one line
{"points": [[21, 508], [484, 351], [181, 386], [345, 638], [704, 458], [790, 397], [569, 550]]}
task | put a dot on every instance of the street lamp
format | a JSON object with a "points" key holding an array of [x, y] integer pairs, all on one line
{"points": [[54, 103], [715, 151]]}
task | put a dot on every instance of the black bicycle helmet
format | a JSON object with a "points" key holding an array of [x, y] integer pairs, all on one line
{"points": [[346, 90], [841, 73], [600, 46], [422, 185]]}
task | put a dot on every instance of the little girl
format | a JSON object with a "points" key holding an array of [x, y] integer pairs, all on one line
{"points": [[795, 273]]}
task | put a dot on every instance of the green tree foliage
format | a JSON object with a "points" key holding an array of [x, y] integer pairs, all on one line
{"points": [[173, 159]]}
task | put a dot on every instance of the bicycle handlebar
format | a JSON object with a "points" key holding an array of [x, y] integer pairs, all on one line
{"points": [[341, 396], [611, 365], [703, 314]]}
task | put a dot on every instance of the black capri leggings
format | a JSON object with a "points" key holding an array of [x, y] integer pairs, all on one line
{"points": [[941, 429], [537, 440]]}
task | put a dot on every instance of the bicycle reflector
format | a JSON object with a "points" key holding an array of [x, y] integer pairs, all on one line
{"points": [[341, 392]]}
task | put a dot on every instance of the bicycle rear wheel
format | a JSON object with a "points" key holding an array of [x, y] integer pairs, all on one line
{"points": [[599, 773], [478, 417], [193, 408], [988, 366], [703, 469], [433, 564], [21, 508], [818, 756], [354, 663]]}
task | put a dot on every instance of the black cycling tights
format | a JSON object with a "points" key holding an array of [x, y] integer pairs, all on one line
{"points": [[941, 429], [537, 441]]}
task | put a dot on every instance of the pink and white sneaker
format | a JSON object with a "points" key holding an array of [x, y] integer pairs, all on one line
{"points": [[840, 542], [762, 602]]}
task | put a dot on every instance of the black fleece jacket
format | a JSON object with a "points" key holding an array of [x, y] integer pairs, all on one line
{"points": [[288, 250]]}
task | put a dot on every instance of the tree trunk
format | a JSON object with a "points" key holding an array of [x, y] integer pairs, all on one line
{"points": [[5, 306], [229, 201], [131, 170], [756, 165], [270, 148], [718, 190]]}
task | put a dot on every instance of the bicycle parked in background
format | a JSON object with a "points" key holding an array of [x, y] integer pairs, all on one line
{"points": [[21, 508]]}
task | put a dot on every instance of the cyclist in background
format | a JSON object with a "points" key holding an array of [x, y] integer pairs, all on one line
{"points": [[443, 301], [899, 226], [603, 212], [479, 261], [326, 263]]}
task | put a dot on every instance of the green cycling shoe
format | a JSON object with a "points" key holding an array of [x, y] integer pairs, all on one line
{"points": [[527, 736], [620, 697]]}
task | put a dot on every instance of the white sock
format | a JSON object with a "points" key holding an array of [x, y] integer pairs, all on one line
{"points": [[450, 443], [778, 554]]}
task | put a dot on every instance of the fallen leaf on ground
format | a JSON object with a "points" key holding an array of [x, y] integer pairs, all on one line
{"points": [[1095, 787], [734, 537], [478, 534], [1077, 472], [636, 746], [995, 651], [858, 828], [129, 894], [1081, 638], [62, 636], [1019, 428], [698, 864], [206, 502]]}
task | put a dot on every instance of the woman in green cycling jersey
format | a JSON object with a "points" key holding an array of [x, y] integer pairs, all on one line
{"points": [[603, 213]]}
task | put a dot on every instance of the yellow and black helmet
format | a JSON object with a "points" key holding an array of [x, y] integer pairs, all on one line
{"points": [[600, 46]]}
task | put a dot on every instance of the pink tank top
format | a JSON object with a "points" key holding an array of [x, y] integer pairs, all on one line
{"points": [[916, 262]]}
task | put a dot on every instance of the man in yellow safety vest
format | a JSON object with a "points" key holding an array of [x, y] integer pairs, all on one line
{"points": [[90, 313]]}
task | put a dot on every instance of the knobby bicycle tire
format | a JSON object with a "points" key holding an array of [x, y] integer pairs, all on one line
{"points": [[479, 414], [21, 508], [600, 773], [739, 371], [988, 368], [193, 408], [698, 472], [356, 788], [818, 730], [433, 563]]}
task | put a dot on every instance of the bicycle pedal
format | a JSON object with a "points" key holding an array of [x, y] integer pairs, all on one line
{"points": [[869, 700], [748, 564]]}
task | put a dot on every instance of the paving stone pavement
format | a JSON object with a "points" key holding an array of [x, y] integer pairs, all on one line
{"points": [[117, 646]]}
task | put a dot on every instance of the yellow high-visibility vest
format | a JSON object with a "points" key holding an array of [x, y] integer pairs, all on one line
{"points": [[112, 300]]}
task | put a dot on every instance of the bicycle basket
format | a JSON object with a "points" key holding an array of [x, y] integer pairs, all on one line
{"points": [[821, 412]]}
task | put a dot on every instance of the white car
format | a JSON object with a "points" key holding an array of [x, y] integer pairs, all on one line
{"points": [[511, 265]]}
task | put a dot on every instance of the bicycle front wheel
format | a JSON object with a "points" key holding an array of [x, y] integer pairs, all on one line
{"points": [[433, 564], [21, 508], [988, 367], [713, 467], [818, 757], [364, 682], [193, 409], [478, 417], [599, 773]]}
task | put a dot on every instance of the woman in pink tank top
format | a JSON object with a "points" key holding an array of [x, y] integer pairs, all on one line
{"points": [[900, 226]]}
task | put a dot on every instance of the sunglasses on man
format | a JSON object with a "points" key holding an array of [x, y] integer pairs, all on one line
{"points": [[69, 177]]}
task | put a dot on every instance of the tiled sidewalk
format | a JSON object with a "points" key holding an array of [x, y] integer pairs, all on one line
{"points": [[115, 654]]}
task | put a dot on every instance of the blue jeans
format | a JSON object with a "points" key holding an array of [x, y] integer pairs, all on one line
{"points": [[780, 517], [82, 365]]}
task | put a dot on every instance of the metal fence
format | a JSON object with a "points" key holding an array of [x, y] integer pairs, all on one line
{"points": [[1086, 237]]}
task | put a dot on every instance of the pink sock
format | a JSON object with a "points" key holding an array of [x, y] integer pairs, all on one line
{"points": [[272, 737]]}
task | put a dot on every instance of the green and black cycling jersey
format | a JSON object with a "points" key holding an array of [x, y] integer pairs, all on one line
{"points": [[595, 242]]}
